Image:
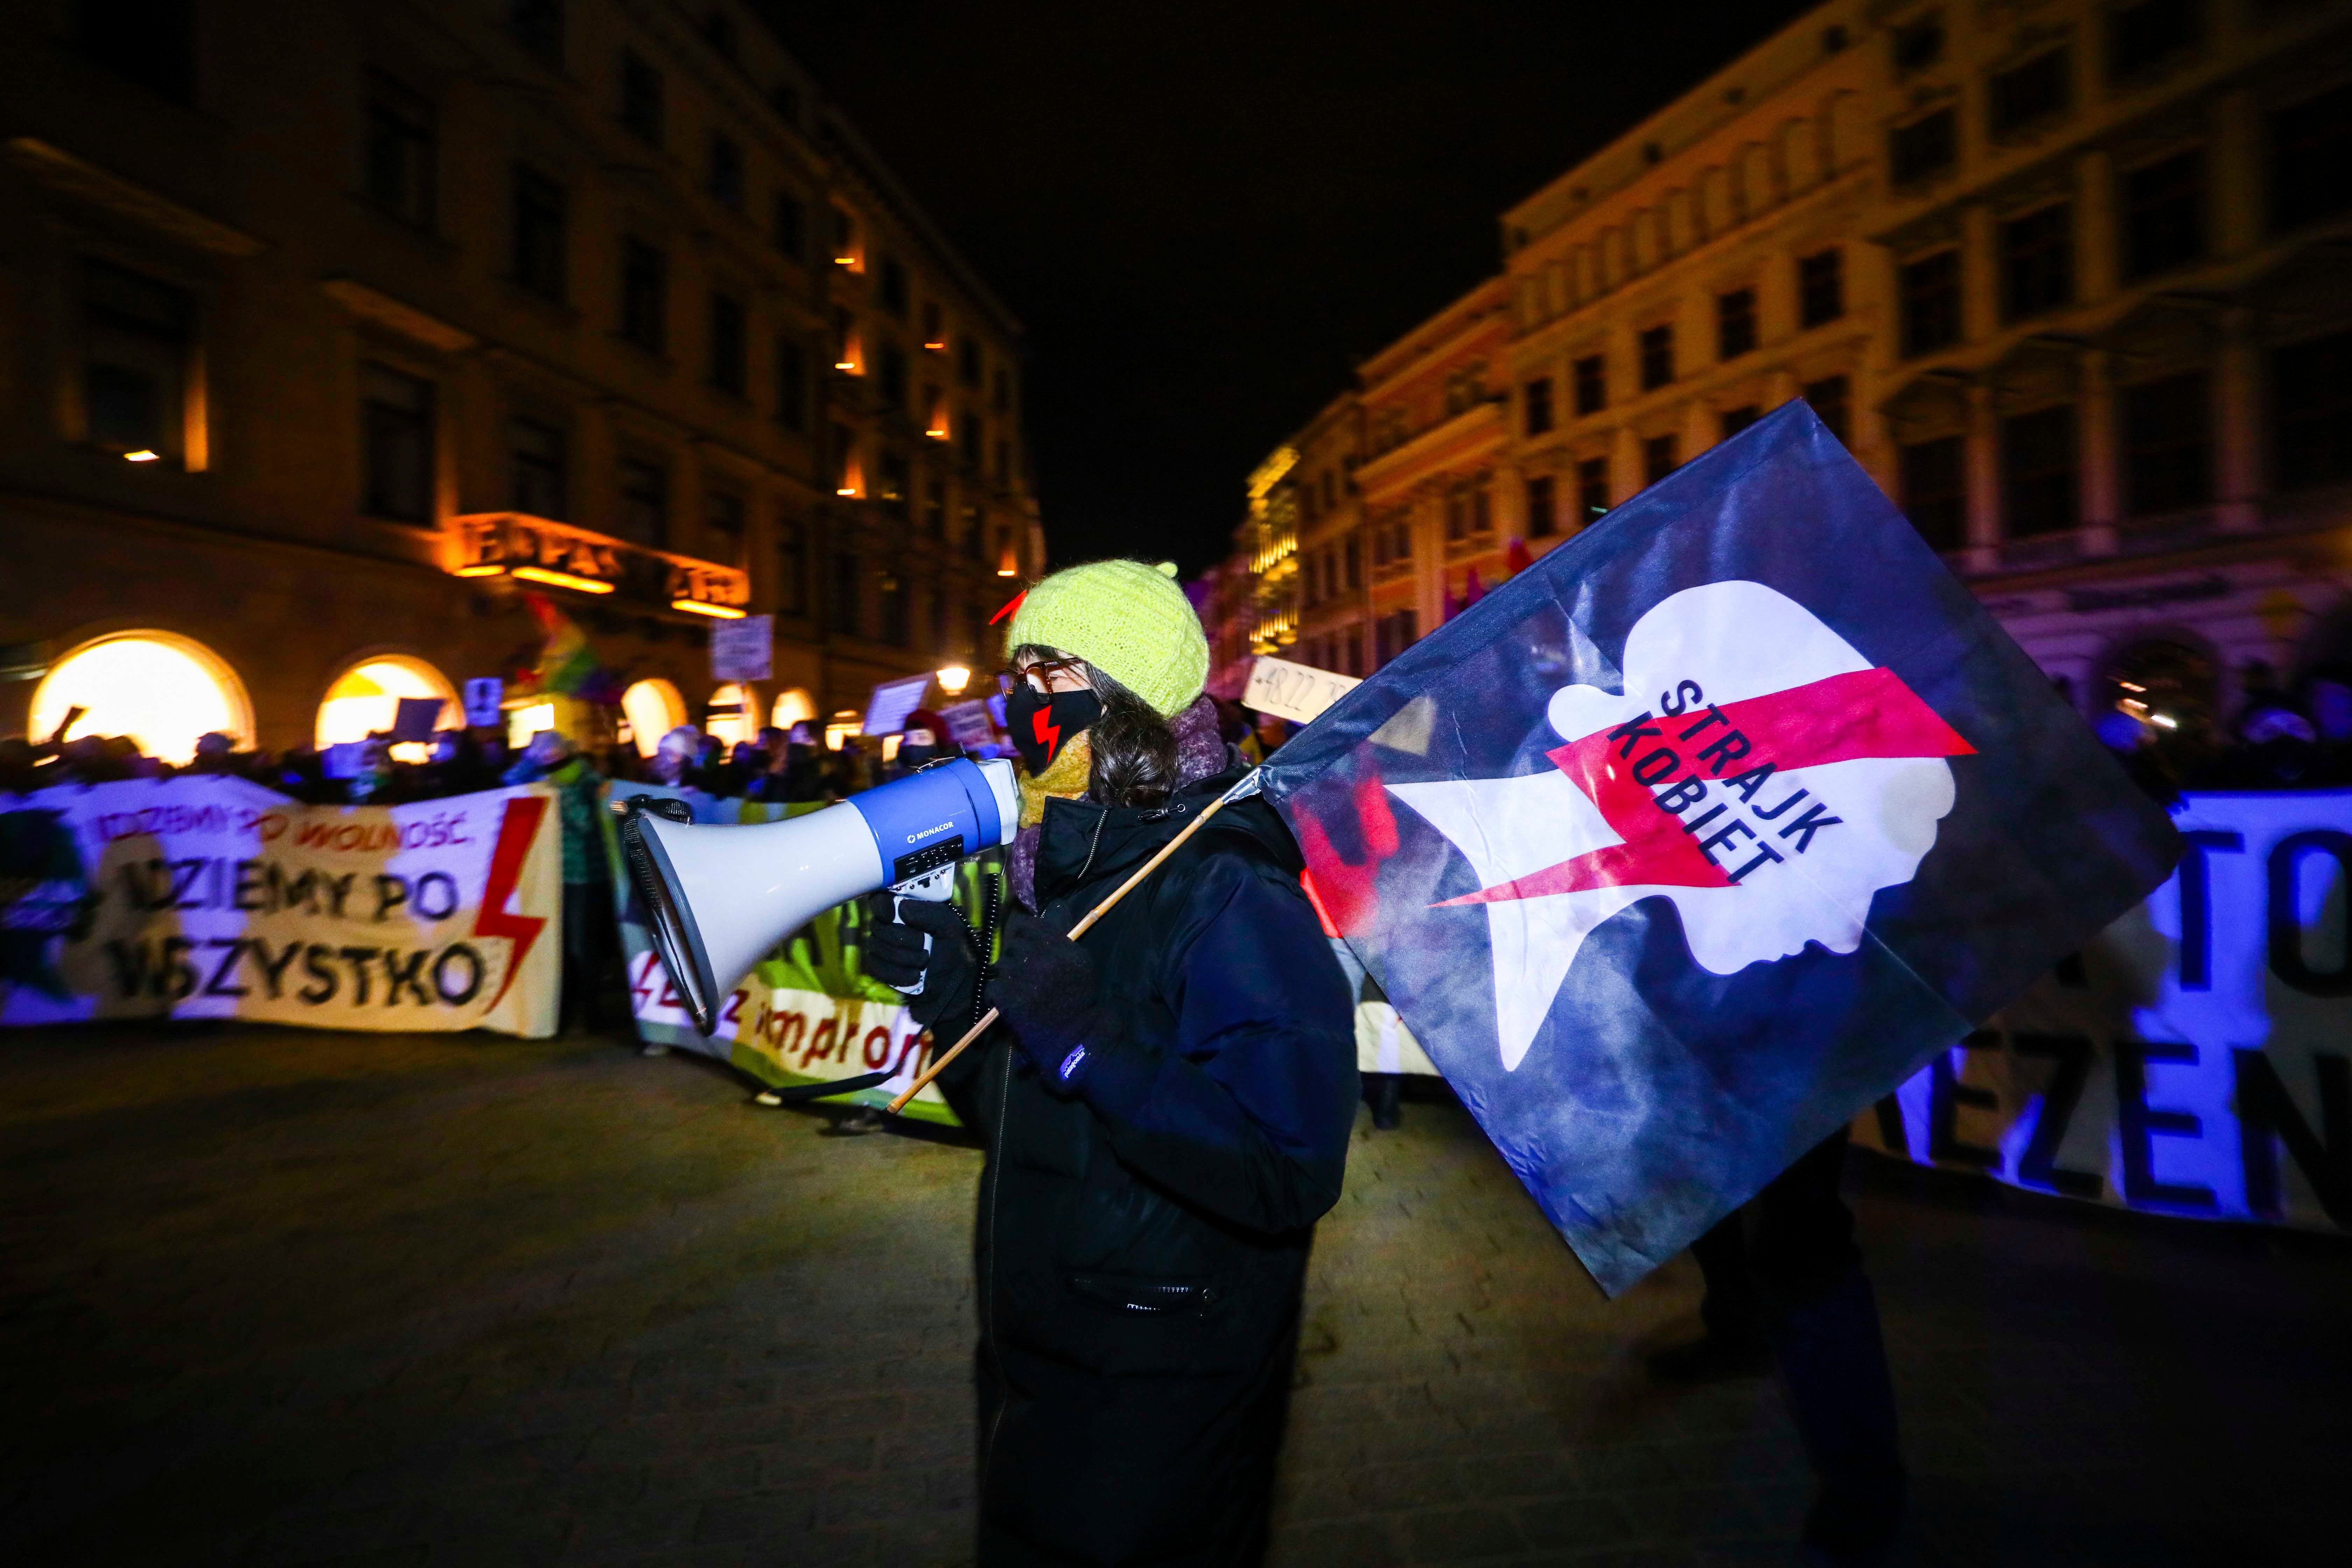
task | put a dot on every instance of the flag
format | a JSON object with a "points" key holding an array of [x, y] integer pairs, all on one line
{"points": [[567, 663], [1702, 834]]}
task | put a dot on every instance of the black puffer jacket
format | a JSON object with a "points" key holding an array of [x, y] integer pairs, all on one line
{"points": [[1142, 1245]]}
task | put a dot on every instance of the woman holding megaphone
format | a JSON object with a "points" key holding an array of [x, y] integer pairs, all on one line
{"points": [[1166, 1103]]}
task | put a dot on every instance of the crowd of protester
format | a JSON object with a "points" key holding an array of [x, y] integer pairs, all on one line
{"points": [[2280, 738]]}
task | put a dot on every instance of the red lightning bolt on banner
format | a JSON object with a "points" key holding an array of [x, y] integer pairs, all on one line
{"points": [[516, 831], [1050, 738]]}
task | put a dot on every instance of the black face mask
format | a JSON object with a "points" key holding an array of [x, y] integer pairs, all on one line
{"points": [[1042, 724]]}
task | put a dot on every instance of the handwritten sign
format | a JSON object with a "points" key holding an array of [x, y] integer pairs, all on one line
{"points": [[484, 693], [1298, 692], [742, 650]]}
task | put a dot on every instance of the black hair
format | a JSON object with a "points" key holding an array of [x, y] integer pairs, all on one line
{"points": [[1133, 749]]}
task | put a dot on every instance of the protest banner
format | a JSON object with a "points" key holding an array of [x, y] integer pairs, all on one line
{"points": [[214, 898], [1298, 692], [806, 1013], [2194, 1058], [743, 649]]}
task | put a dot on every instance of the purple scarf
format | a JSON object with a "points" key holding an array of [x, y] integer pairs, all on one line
{"points": [[1201, 753]]}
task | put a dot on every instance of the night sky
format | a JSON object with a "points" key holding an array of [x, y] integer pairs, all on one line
{"points": [[1205, 213]]}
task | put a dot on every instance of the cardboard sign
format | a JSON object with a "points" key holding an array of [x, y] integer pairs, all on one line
{"points": [[744, 649], [415, 718], [1298, 692], [483, 695], [968, 724], [886, 709]]}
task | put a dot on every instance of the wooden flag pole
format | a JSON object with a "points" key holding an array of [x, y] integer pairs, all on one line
{"points": [[1246, 789]]}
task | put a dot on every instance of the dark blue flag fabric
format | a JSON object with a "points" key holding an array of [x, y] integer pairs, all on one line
{"points": [[1704, 832]]}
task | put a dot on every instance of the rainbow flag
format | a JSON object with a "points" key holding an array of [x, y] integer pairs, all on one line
{"points": [[567, 663]]}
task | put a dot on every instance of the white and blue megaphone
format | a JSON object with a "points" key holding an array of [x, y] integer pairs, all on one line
{"points": [[718, 898]]}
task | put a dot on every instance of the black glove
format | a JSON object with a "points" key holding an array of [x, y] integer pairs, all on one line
{"points": [[1044, 985], [893, 954]]}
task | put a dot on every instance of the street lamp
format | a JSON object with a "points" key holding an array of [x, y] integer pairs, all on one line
{"points": [[953, 678]]}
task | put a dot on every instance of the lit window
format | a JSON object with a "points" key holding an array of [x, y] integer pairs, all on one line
{"points": [[136, 335], [161, 691], [729, 718], [366, 700]]}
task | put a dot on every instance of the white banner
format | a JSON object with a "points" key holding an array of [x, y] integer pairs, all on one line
{"points": [[214, 898], [2196, 1058], [1298, 692]]}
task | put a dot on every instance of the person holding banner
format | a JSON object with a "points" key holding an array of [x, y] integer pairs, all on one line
{"points": [[1166, 1104]]}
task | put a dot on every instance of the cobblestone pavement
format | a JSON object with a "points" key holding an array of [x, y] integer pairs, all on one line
{"points": [[273, 1297]]}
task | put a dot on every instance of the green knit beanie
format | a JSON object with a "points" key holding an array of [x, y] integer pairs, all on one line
{"points": [[1129, 620]]}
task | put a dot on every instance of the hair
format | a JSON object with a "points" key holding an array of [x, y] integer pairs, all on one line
{"points": [[1134, 750]]}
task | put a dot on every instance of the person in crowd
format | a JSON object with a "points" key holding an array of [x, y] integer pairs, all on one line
{"points": [[1166, 1104], [375, 783], [2276, 747], [1265, 737], [2327, 698], [2131, 742], [924, 740], [803, 765], [673, 757], [1785, 1283], [552, 760], [216, 754]]}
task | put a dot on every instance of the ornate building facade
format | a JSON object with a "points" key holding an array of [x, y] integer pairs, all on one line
{"points": [[330, 326], [2066, 277]]}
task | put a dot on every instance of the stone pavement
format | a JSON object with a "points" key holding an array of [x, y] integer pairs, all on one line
{"points": [[272, 1297]]}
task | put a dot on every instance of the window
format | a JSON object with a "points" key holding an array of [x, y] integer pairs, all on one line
{"points": [[727, 371], [935, 507], [1353, 555], [2025, 94], [2164, 215], [1457, 514], [898, 483], [644, 513], [2145, 35], [2311, 387], [722, 517], [935, 332], [971, 444], [789, 232], [791, 384], [1001, 396], [893, 595], [791, 565], [890, 379], [845, 238], [726, 172], [644, 296], [2311, 159], [539, 233], [1918, 44], [849, 593], [1658, 357], [2168, 444], [847, 480], [846, 353], [1591, 384], [1923, 149], [975, 532], [1543, 517], [1355, 652], [1821, 287], [642, 106], [967, 360], [1591, 488], [1931, 302], [538, 25], [1734, 420], [136, 338], [1331, 489], [893, 289], [1393, 633], [1934, 482], [2042, 487], [1735, 323], [2037, 261], [1661, 456], [161, 691], [400, 152], [396, 444], [537, 467], [1830, 399], [1482, 505], [1535, 403], [151, 42]]}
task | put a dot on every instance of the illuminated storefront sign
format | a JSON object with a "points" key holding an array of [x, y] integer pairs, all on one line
{"points": [[538, 550]]}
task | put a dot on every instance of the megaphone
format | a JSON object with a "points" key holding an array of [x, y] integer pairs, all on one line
{"points": [[717, 898]]}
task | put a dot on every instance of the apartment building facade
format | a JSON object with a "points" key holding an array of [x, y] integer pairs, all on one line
{"points": [[2066, 277], [333, 328]]}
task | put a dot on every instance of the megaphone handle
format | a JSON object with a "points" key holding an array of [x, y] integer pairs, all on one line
{"points": [[896, 902], [938, 1063]]}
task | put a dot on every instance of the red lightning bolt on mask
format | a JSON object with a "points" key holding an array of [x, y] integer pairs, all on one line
{"points": [[1048, 735]]}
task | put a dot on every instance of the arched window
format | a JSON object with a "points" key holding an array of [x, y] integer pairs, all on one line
{"points": [[727, 715], [793, 706], [653, 709], [366, 700], [162, 689]]}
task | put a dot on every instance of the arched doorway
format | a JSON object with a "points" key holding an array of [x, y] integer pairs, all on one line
{"points": [[653, 709], [729, 716], [366, 700], [162, 689], [793, 707]]}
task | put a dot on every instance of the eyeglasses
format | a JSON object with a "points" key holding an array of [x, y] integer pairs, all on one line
{"points": [[1041, 673]]}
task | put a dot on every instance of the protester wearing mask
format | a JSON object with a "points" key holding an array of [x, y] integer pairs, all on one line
{"points": [[1166, 1103], [924, 740]]}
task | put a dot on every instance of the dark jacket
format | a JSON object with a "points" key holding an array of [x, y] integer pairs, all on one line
{"points": [[1141, 1244]]}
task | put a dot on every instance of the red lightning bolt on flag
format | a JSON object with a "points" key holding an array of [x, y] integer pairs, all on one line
{"points": [[516, 829]]}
